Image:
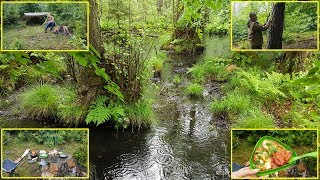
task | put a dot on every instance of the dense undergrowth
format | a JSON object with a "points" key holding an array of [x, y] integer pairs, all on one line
{"points": [[258, 95]]}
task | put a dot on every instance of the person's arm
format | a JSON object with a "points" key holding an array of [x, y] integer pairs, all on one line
{"points": [[257, 26], [245, 172]]}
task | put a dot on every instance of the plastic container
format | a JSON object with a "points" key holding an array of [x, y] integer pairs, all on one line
{"points": [[271, 171]]}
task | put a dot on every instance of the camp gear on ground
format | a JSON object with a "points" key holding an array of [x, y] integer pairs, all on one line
{"points": [[62, 155], [8, 165], [43, 162], [33, 160], [29, 157], [42, 152], [53, 152], [43, 156]]}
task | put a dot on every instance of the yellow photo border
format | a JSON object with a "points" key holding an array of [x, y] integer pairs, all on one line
{"points": [[270, 129], [278, 50], [37, 129], [47, 2]]}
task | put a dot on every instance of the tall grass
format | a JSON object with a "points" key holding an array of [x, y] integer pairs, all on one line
{"points": [[255, 118], [52, 101]]}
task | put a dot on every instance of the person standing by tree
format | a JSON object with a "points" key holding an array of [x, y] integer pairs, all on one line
{"points": [[255, 31], [49, 22]]}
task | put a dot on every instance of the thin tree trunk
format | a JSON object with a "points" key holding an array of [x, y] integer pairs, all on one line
{"points": [[276, 30], [95, 37]]}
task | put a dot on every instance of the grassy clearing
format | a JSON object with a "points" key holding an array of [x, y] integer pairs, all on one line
{"points": [[34, 38], [15, 148]]}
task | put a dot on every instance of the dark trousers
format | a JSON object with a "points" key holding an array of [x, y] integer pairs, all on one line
{"points": [[51, 25]]}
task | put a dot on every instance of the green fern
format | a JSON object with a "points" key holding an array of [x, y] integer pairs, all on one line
{"points": [[100, 113]]}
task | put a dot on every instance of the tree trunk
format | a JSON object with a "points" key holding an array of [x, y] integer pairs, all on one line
{"points": [[293, 61], [276, 30], [95, 37], [88, 83]]}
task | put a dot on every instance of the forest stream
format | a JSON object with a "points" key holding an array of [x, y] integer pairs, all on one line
{"points": [[187, 141]]}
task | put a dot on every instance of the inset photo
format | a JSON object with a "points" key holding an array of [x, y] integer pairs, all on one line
{"points": [[44, 26], [274, 154], [44, 153], [274, 26]]}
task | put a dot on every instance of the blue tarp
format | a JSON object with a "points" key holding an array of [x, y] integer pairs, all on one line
{"points": [[8, 165]]}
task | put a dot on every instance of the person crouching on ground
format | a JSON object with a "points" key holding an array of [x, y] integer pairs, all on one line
{"points": [[255, 31], [49, 22]]}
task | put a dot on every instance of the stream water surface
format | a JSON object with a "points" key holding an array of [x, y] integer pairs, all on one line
{"points": [[186, 142]]}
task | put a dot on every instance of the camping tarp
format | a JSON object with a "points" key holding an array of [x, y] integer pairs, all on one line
{"points": [[35, 14]]}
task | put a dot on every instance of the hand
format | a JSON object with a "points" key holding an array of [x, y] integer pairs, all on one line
{"points": [[245, 172]]}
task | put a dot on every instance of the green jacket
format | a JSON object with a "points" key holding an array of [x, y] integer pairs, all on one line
{"points": [[255, 33]]}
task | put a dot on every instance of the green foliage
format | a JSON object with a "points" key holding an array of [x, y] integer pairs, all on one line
{"points": [[140, 113], [311, 84], [100, 113], [158, 61], [292, 138], [80, 155], [194, 90], [91, 59], [267, 87], [234, 103], [137, 114], [254, 118], [176, 79], [45, 101], [214, 68], [40, 101], [18, 69], [52, 138]]}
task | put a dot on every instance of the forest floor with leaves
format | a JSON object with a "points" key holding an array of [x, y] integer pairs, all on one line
{"points": [[35, 38]]}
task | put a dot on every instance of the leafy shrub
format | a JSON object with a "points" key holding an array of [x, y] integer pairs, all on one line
{"points": [[194, 90], [53, 137]]}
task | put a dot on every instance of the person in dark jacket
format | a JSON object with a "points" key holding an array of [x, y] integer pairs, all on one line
{"points": [[255, 31]]}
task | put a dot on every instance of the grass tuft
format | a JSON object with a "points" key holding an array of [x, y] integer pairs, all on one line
{"points": [[194, 90], [47, 101]]}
